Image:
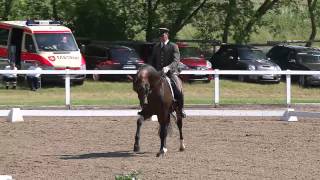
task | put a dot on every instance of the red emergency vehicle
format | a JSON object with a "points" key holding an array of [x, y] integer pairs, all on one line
{"points": [[46, 42]]}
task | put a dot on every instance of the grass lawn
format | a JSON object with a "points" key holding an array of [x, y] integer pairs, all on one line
{"points": [[121, 93]]}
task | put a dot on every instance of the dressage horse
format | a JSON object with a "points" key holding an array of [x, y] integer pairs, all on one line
{"points": [[155, 96]]}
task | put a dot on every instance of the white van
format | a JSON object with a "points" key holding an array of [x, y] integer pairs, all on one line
{"points": [[46, 42]]}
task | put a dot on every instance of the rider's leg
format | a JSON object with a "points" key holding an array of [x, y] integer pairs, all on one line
{"points": [[177, 89]]}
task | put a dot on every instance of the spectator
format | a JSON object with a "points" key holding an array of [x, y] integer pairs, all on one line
{"points": [[10, 79], [34, 80]]}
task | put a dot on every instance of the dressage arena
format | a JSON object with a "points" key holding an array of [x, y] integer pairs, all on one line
{"points": [[216, 148]]}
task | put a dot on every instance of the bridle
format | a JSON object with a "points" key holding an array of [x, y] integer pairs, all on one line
{"points": [[144, 88]]}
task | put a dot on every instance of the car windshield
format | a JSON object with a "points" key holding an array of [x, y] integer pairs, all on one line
{"points": [[187, 52], [56, 42], [124, 54], [309, 58], [251, 54]]}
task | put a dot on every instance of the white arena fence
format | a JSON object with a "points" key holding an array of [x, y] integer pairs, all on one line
{"points": [[288, 114]]}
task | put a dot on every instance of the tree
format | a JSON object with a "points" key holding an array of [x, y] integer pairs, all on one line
{"points": [[231, 8], [243, 34], [210, 20], [30, 9], [54, 9], [171, 14], [311, 8], [6, 8], [108, 19], [151, 18], [180, 13], [235, 18]]}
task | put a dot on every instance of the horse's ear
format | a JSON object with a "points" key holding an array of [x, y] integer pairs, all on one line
{"points": [[130, 78]]}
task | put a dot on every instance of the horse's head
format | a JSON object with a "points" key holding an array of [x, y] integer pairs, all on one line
{"points": [[145, 80], [141, 85]]}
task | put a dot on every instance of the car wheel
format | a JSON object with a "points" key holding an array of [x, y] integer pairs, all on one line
{"points": [[96, 77], [303, 81]]}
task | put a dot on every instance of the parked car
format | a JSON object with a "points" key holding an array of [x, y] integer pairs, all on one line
{"points": [[143, 49], [111, 57], [192, 59], [297, 58], [245, 57]]}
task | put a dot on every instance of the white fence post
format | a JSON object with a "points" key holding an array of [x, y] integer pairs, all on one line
{"points": [[288, 88], [67, 88], [216, 87]]}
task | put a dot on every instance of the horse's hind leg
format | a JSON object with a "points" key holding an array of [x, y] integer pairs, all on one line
{"points": [[179, 123], [136, 147]]}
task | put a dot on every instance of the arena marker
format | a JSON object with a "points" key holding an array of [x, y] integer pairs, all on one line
{"points": [[15, 115], [288, 117]]}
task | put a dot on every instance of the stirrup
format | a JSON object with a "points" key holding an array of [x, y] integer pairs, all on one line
{"points": [[183, 114]]}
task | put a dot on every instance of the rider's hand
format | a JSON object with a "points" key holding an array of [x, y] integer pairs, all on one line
{"points": [[165, 69]]}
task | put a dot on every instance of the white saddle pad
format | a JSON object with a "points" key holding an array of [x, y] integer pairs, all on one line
{"points": [[169, 81]]}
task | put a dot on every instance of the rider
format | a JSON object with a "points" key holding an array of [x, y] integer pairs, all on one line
{"points": [[166, 57]]}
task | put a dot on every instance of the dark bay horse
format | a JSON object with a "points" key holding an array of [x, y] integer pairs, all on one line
{"points": [[155, 96]]}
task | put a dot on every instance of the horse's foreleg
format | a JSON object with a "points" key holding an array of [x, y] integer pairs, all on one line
{"points": [[163, 134], [179, 123], [136, 147]]}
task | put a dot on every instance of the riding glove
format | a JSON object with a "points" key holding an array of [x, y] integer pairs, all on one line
{"points": [[165, 69]]}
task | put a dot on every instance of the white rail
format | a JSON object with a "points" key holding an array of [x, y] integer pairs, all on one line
{"points": [[17, 115], [216, 74]]}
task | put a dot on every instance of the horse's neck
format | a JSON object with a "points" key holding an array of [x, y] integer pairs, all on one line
{"points": [[155, 80]]}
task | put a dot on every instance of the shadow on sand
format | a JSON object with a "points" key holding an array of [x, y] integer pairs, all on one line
{"points": [[115, 154]]}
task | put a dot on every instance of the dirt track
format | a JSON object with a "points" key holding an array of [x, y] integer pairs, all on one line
{"points": [[217, 148]]}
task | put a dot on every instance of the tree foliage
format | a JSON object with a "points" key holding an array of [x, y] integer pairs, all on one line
{"points": [[312, 4], [226, 20]]}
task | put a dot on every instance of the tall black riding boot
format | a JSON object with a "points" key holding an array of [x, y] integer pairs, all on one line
{"points": [[179, 99]]}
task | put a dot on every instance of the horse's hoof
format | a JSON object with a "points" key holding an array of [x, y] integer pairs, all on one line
{"points": [[162, 152], [182, 146], [136, 148]]}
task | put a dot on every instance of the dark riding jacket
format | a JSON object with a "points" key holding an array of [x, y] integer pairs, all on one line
{"points": [[168, 55]]}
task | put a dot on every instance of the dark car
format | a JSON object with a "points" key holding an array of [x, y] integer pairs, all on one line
{"points": [[192, 59], [297, 58], [111, 57], [143, 49], [245, 57]]}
